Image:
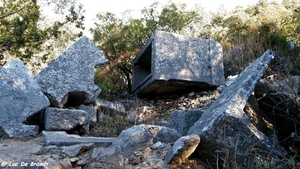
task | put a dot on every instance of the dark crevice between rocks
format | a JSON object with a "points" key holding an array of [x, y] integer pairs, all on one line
{"points": [[3, 134], [78, 130], [70, 100], [75, 99], [36, 119]]}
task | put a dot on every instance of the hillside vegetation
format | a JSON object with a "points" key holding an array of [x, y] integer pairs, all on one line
{"points": [[245, 34]]}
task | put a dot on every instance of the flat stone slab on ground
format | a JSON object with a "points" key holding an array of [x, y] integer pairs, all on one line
{"points": [[61, 138]]}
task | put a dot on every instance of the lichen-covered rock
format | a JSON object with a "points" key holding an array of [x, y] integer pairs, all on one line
{"points": [[20, 98], [70, 78]]}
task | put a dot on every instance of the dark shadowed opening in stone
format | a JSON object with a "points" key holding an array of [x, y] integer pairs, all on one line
{"points": [[3, 133], [36, 119], [79, 130], [75, 99], [142, 66]]}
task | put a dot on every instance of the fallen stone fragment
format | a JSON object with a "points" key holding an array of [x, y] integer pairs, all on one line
{"points": [[182, 120], [138, 138], [92, 113], [156, 163], [66, 151], [61, 138], [69, 80], [275, 84], [66, 163], [110, 108], [66, 119], [265, 87], [182, 149], [128, 104], [20, 98], [74, 150], [225, 127], [19, 130]]}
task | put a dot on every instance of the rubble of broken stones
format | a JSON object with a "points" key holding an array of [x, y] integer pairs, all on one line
{"points": [[62, 100]]}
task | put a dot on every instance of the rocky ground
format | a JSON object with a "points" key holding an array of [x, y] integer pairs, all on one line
{"points": [[27, 152], [17, 152], [31, 152]]}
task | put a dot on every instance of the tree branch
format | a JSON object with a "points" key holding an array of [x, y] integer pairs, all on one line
{"points": [[11, 13]]}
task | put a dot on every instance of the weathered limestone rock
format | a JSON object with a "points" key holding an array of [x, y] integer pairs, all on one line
{"points": [[275, 84], [182, 120], [110, 108], [61, 138], [69, 80], [182, 149], [228, 81], [18, 130], [224, 126], [20, 98], [128, 104], [74, 150], [66, 151], [264, 87], [171, 63], [291, 85], [92, 113], [138, 138], [66, 119]]}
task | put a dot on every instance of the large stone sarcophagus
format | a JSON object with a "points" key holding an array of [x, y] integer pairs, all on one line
{"points": [[172, 63]]}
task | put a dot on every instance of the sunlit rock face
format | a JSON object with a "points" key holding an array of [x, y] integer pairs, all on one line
{"points": [[20, 98], [70, 78], [172, 63], [225, 127]]}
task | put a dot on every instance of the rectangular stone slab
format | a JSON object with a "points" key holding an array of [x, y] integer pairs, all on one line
{"points": [[61, 138]]}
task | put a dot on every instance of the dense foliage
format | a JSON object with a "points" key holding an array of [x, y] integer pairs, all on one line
{"points": [[24, 33]]}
